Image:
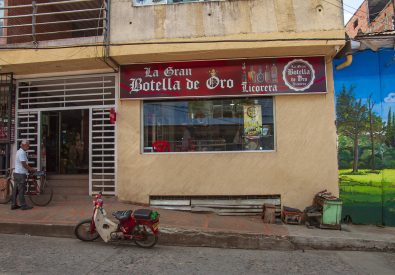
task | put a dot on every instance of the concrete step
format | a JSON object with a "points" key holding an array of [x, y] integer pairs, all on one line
{"points": [[71, 197], [68, 177], [79, 198], [68, 183], [60, 190]]}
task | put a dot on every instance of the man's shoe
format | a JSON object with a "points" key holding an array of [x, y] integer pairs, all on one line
{"points": [[13, 207], [26, 207]]}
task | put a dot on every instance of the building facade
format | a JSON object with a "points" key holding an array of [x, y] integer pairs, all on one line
{"points": [[372, 16], [216, 98]]}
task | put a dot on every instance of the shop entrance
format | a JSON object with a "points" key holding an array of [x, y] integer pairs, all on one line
{"points": [[67, 121], [65, 141]]}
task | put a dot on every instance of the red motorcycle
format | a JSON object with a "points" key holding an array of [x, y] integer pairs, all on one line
{"points": [[140, 226]]}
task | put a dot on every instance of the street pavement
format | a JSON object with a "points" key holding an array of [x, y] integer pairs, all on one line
{"points": [[200, 229], [24, 254]]}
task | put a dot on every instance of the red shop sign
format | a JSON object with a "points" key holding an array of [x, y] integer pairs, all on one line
{"points": [[243, 77]]}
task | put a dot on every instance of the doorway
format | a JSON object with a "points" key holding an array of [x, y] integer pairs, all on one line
{"points": [[65, 141]]}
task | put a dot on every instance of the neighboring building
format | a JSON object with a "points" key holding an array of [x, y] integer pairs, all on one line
{"points": [[368, 194], [372, 16], [216, 98]]}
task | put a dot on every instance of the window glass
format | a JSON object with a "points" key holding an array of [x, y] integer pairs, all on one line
{"points": [[1, 15], [231, 124]]}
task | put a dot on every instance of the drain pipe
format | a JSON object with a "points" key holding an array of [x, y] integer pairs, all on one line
{"points": [[107, 56], [345, 63], [353, 45]]}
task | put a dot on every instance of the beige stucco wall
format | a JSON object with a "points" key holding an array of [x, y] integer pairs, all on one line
{"points": [[305, 160], [220, 18]]}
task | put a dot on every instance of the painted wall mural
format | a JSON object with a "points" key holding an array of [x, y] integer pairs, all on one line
{"points": [[365, 109]]}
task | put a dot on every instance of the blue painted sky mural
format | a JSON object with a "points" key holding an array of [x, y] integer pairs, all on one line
{"points": [[372, 73]]}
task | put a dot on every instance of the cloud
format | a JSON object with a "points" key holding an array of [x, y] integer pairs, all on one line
{"points": [[390, 98]]}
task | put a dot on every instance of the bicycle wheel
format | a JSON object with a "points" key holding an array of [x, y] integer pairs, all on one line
{"points": [[44, 196], [83, 231], [6, 192], [145, 238]]}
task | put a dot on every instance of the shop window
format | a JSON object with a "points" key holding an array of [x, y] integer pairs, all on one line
{"points": [[159, 2], [207, 125]]}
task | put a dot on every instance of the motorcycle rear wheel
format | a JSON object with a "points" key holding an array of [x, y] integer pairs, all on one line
{"points": [[82, 231], [145, 238]]}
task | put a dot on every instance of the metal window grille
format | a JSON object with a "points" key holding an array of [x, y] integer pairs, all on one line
{"points": [[67, 92]]}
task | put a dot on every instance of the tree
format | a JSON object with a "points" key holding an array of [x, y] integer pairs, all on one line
{"points": [[375, 129], [388, 130], [352, 119]]}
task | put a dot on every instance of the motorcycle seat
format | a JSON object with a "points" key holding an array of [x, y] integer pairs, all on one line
{"points": [[143, 214], [122, 215]]}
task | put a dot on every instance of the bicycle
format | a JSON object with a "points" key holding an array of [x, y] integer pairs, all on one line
{"points": [[37, 189]]}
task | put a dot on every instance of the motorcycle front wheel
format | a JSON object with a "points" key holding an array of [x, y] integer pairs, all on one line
{"points": [[145, 237], [82, 231], [6, 192]]}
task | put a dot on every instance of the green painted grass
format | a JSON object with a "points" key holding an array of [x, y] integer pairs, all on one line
{"points": [[366, 195]]}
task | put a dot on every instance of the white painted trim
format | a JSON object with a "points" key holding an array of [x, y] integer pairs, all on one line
{"points": [[39, 141], [117, 77]]}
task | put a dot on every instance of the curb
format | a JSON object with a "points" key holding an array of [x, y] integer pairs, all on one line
{"points": [[196, 238], [331, 243], [186, 237], [46, 230]]}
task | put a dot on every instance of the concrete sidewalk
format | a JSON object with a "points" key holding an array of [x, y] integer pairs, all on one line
{"points": [[190, 229]]}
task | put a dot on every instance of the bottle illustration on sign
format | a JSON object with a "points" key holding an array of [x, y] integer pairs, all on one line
{"points": [[244, 73], [260, 77], [267, 74], [251, 75], [274, 73]]}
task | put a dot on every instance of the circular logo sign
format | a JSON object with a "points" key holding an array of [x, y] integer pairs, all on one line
{"points": [[298, 75]]}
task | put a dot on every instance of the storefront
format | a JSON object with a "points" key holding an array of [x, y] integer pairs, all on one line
{"points": [[227, 127]]}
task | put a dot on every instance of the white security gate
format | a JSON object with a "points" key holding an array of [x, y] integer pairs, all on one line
{"points": [[102, 148], [27, 125], [98, 94]]}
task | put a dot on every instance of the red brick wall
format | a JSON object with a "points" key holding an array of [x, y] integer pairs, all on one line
{"points": [[28, 20], [363, 21], [383, 22]]}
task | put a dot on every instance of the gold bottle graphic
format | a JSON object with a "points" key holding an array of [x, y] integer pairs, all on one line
{"points": [[267, 74], [274, 73], [251, 75]]}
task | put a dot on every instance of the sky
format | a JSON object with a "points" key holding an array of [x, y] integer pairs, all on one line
{"points": [[349, 7]]}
